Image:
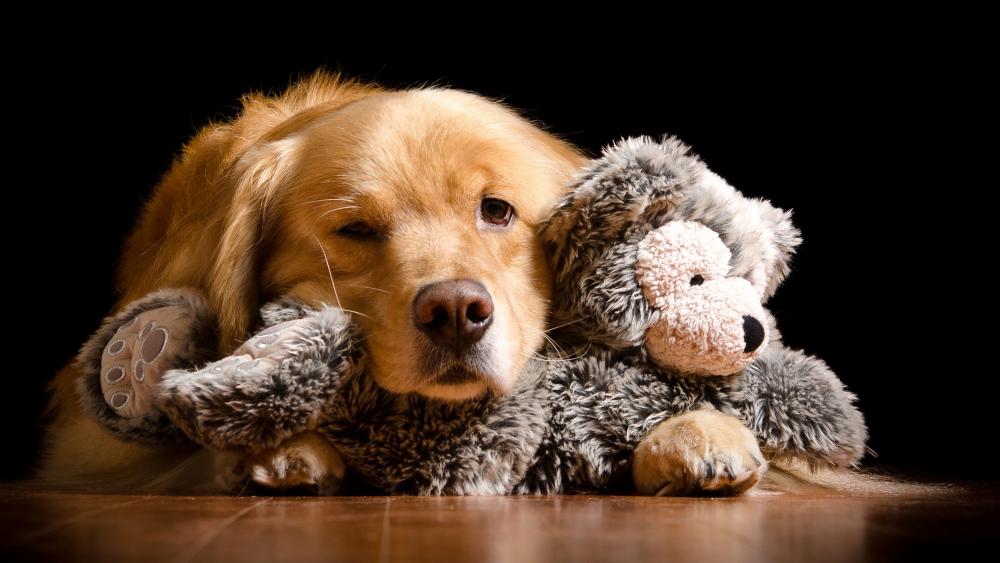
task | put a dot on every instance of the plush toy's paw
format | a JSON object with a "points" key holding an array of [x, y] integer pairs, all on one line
{"points": [[263, 352], [139, 352], [801, 410], [274, 386], [122, 362], [697, 453], [307, 462]]}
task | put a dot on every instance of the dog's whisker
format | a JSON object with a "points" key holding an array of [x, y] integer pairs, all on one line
{"points": [[536, 356], [325, 213], [327, 199], [576, 356], [564, 324], [365, 337], [365, 287], [559, 350], [360, 314], [329, 271], [540, 358], [549, 339], [554, 344]]}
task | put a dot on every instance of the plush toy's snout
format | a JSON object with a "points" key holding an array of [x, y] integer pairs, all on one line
{"points": [[709, 323]]}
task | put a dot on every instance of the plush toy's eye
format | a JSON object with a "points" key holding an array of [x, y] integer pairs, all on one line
{"points": [[697, 280], [358, 230], [496, 211]]}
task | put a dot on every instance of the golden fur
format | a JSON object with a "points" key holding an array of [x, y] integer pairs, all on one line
{"points": [[670, 460], [251, 210]]}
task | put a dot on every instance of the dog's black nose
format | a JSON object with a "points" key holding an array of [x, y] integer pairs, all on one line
{"points": [[753, 333], [455, 313]]}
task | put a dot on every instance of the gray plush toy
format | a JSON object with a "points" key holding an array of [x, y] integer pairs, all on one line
{"points": [[661, 270]]}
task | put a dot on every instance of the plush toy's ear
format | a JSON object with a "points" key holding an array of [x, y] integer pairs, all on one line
{"points": [[761, 236], [633, 180], [591, 235], [255, 179]]}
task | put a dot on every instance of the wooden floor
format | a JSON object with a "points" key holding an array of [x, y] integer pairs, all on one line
{"points": [[763, 527]]}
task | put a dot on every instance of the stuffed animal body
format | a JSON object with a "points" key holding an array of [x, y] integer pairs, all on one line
{"points": [[661, 268]]}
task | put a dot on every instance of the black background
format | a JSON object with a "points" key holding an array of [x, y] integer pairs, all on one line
{"points": [[871, 141]]}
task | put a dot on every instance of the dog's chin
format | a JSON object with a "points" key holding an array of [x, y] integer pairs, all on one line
{"points": [[456, 383], [454, 392]]}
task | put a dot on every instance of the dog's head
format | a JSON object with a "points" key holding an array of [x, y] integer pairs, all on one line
{"points": [[416, 210]]}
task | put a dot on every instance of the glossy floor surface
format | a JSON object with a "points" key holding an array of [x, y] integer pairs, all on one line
{"points": [[802, 526]]}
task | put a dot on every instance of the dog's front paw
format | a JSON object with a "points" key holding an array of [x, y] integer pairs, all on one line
{"points": [[698, 453], [307, 462]]}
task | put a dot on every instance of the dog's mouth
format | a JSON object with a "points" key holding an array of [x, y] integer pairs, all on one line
{"points": [[458, 381], [458, 375], [446, 367]]}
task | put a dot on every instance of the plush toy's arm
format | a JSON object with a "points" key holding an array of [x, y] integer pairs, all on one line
{"points": [[145, 375], [277, 384], [799, 409], [605, 404]]}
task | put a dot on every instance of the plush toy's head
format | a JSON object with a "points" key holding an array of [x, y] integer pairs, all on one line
{"points": [[709, 322], [652, 249]]}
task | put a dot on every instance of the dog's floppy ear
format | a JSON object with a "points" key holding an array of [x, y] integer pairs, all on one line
{"points": [[233, 281], [761, 236]]}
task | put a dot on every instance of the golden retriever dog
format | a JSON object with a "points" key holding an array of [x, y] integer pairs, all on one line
{"points": [[419, 204]]}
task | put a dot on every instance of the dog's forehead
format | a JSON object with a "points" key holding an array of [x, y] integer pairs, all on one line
{"points": [[418, 148]]}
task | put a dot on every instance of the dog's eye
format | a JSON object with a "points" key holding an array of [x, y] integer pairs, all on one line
{"points": [[496, 211], [358, 229], [697, 280]]}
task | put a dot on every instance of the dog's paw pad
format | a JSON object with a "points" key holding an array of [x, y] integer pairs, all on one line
{"points": [[139, 352]]}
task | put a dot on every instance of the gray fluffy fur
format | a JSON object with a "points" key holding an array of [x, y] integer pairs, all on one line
{"points": [[573, 421], [229, 408]]}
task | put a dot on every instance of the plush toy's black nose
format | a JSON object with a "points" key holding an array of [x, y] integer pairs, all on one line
{"points": [[753, 333]]}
